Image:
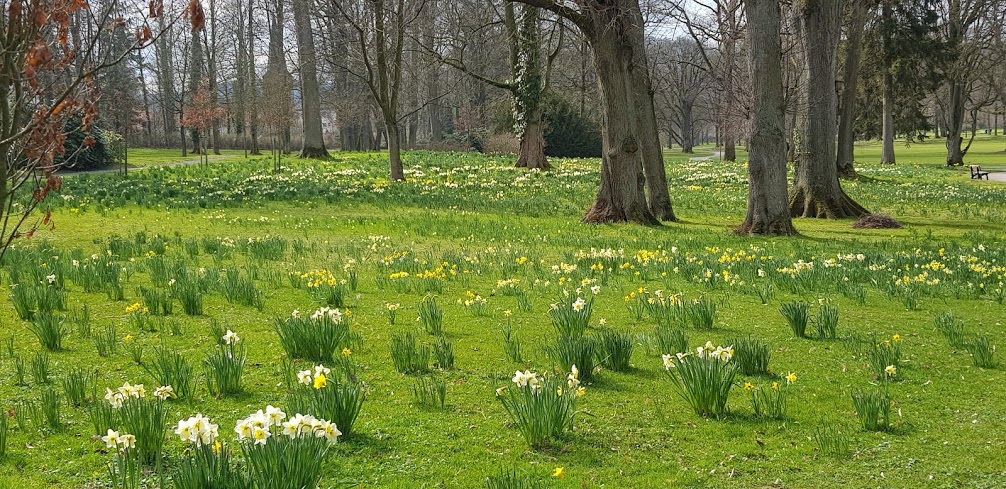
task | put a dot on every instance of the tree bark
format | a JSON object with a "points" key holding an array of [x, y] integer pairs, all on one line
{"points": [[817, 191], [686, 138], [166, 82], [768, 209], [532, 144], [629, 138], [620, 196], [210, 41], [887, 126], [887, 135], [657, 194], [394, 150], [252, 84], [313, 143], [528, 84], [955, 122], [850, 79]]}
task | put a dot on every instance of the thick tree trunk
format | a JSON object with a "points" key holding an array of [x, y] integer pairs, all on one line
{"points": [[850, 79], [620, 196], [166, 82], [817, 191], [657, 194], [313, 145], [728, 47], [686, 138], [887, 150], [528, 86], [955, 123], [433, 77], [768, 210], [532, 144], [395, 151]]}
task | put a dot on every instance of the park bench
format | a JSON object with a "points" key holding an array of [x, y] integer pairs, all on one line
{"points": [[976, 172]]}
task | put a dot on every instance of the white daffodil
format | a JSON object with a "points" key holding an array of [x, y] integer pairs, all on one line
{"points": [[111, 439], [231, 337]]}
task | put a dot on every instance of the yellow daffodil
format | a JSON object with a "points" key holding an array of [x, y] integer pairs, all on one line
{"points": [[791, 378], [559, 472], [320, 381], [748, 386]]}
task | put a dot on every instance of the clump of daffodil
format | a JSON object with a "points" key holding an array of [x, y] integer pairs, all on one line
{"points": [[703, 378], [268, 438], [885, 357], [770, 402], [332, 393], [542, 407]]}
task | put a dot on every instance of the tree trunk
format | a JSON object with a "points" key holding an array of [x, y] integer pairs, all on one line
{"points": [[433, 77], [395, 151], [620, 196], [850, 79], [166, 82], [211, 75], [768, 210], [728, 45], [887, 150], [252, 84], [817, 191], [955, 122], [532, 144], [313, 143], [648, 135], [686, 138]]}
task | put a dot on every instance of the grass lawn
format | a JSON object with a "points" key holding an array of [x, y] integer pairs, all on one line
{"points": [[239, 236]]}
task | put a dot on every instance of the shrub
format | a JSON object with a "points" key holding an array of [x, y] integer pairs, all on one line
{"points": [[108, 148]]}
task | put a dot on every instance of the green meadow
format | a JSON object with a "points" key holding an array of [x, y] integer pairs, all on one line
{"points": [[158, 264]]}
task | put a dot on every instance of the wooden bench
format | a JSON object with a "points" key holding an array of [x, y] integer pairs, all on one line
{"points": [[976, 172]]}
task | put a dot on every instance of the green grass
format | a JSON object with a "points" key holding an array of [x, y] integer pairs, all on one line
{"points": [[634, 430], [987, 150]]}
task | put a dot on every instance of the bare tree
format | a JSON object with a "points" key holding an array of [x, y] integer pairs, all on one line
{"points": [[380, 28], [970, 27]]}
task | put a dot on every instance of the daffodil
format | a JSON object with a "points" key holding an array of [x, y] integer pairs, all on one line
{"points": [[748, 386], [320, 381], [891, 370], [559, 472], [791, 378]]}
